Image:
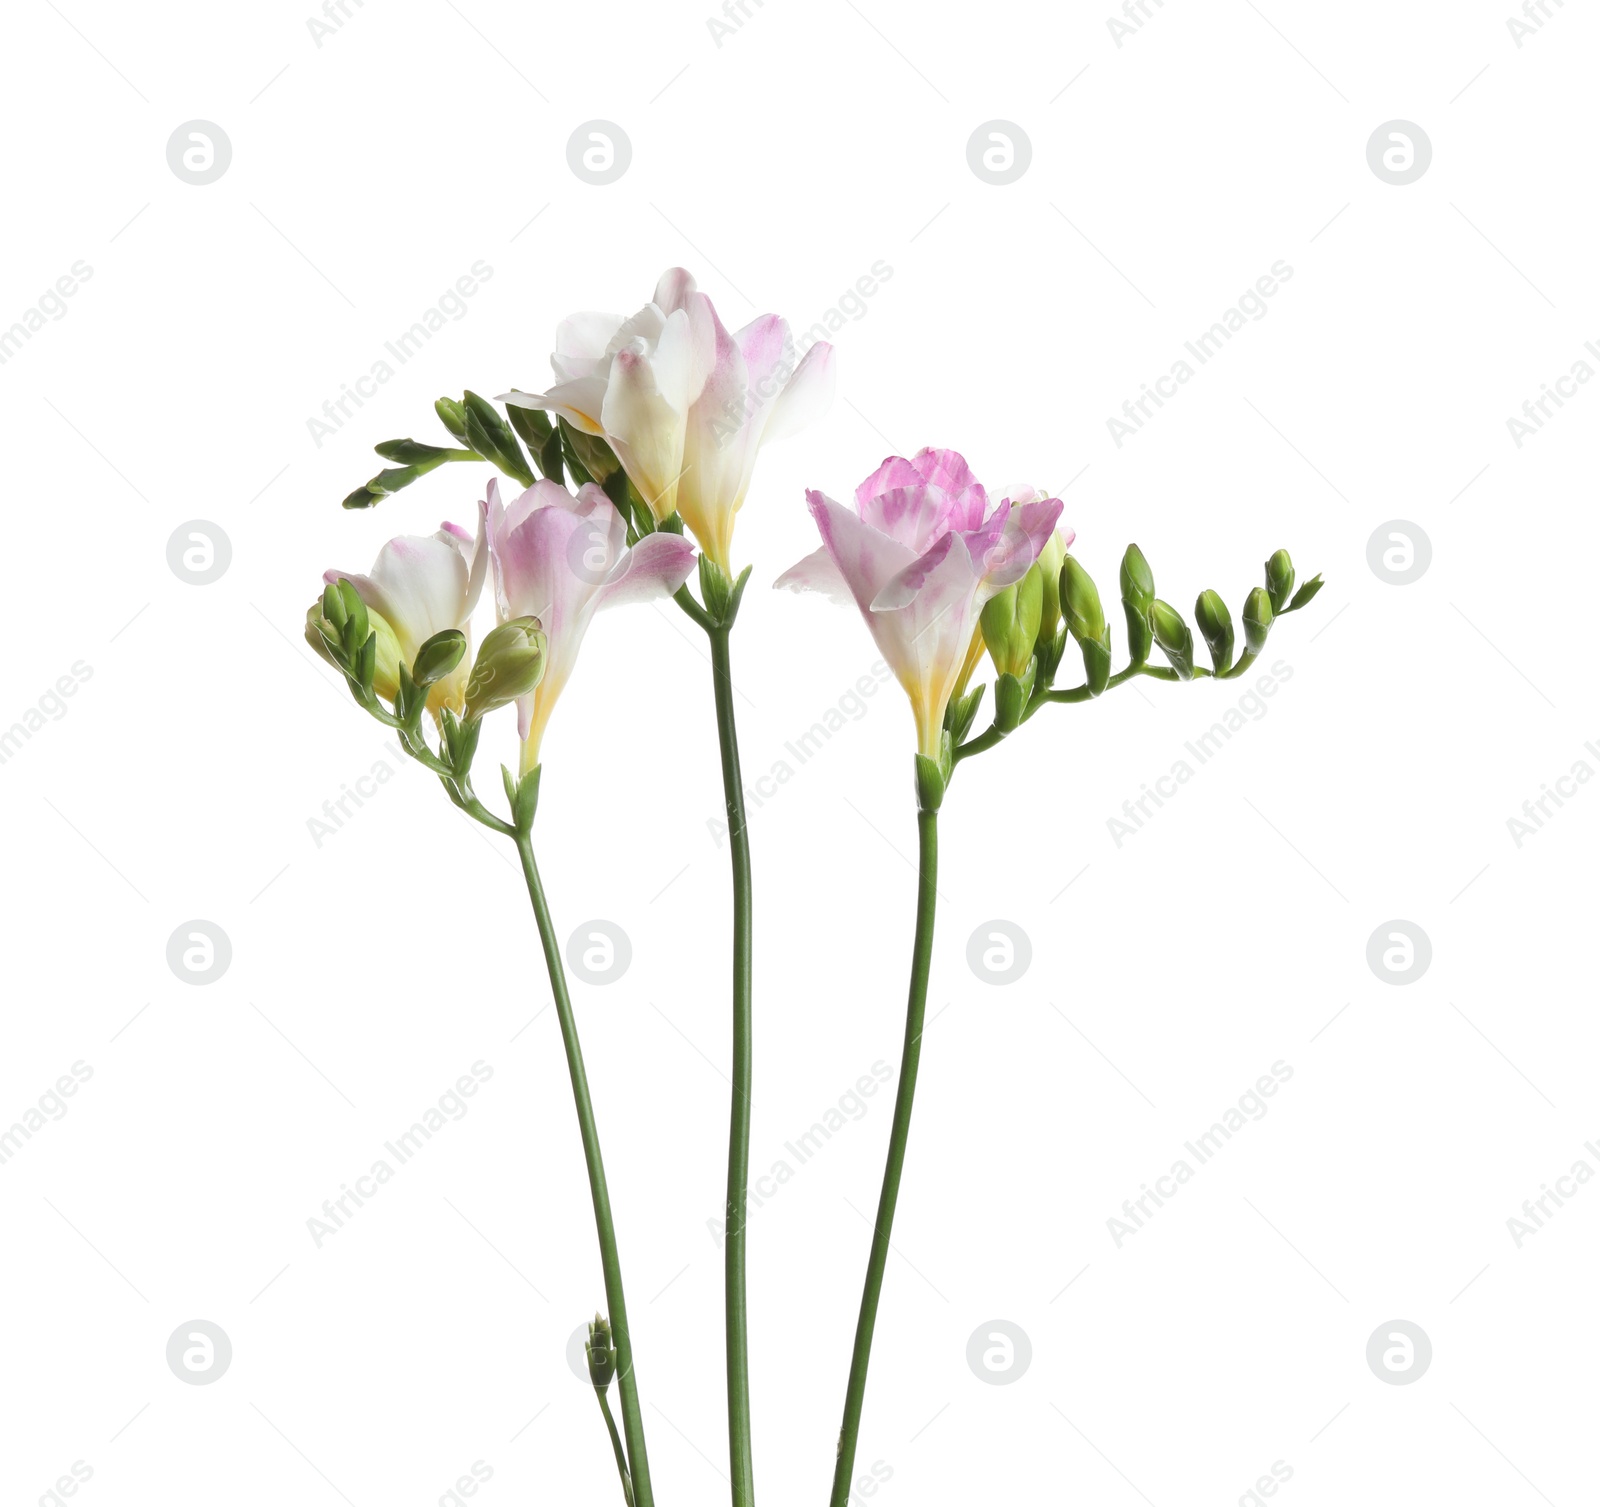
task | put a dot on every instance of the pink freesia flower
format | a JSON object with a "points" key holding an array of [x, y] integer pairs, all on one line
{"points": [[561, 559], [920, 555], [420, 586], [685, 405]]}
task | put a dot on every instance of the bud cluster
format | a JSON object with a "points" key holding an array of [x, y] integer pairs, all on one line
{"points": [[1026, 629]]}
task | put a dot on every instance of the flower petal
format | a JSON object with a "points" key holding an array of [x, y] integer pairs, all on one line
{"points": [[655, 567]]}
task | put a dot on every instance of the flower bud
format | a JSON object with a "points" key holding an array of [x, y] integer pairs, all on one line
{"points": [[1011, 623], [602, 1354], [1280, 579], [1138, 595], [1051, 558], [1174, 638], [509, 665], [593, 453], [453, 416], [1216, 627], [439, 656], [1257, 620], [326, 635], [1080, 603]]}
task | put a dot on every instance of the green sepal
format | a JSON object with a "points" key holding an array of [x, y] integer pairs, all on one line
{"points": [[491, 437], [716, 590], [1305, 593], [1050, 654], [467, 745], [525, 799], [450, 733], [1011, 695], [366, 663], [738, 591], [961, 713], [407, 697], [569, 452], [931, 782], [1097, 661], [453, 416]]}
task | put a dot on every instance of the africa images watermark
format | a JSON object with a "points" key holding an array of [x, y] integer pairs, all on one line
{"points": [[848, 708], [1538, 809], [1535, 411], [51, 707], [352, 797], [1537, 1211], [50, 306], [850, 1106], [849, 308], [51, 1105], [1251, 1105], [1249, 308], [451, 1106], [450, 307], [1250, 707]]}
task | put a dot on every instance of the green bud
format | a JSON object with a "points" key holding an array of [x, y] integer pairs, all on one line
{"points": [[412, 452], [1280, 579], [1080, 601], [602, 1354], [1051, 559], [509, 665], [594, 454], [1138, 594], [1216, 627], [1010, 623], [1173, 637], [439, 656], [362, 497], [453, 416], [1258, 617], [543, 439], [491, 437]]}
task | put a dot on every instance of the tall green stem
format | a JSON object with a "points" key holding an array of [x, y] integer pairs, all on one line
{"points": [[740, 1460], [899, 1133], [611, 1265]]}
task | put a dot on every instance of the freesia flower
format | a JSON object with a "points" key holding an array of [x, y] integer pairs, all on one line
{"points": [[561, 558], [420, 586], [685, 405], [919, 557]]}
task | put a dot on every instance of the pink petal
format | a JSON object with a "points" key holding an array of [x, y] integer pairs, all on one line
{"points": [[655, 567]]}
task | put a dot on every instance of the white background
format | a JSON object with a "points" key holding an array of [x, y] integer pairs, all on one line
{"points": [[1167, 175]]}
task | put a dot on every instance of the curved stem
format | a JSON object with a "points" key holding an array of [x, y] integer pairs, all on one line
{"points": [[916, 1008], [740, 1457], [616, 1449], [611, 1266]]}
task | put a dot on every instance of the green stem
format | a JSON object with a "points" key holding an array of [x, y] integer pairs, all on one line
{"points": [[740, 1457], [611, 1266], [616, 1448], [916, 1008]]}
